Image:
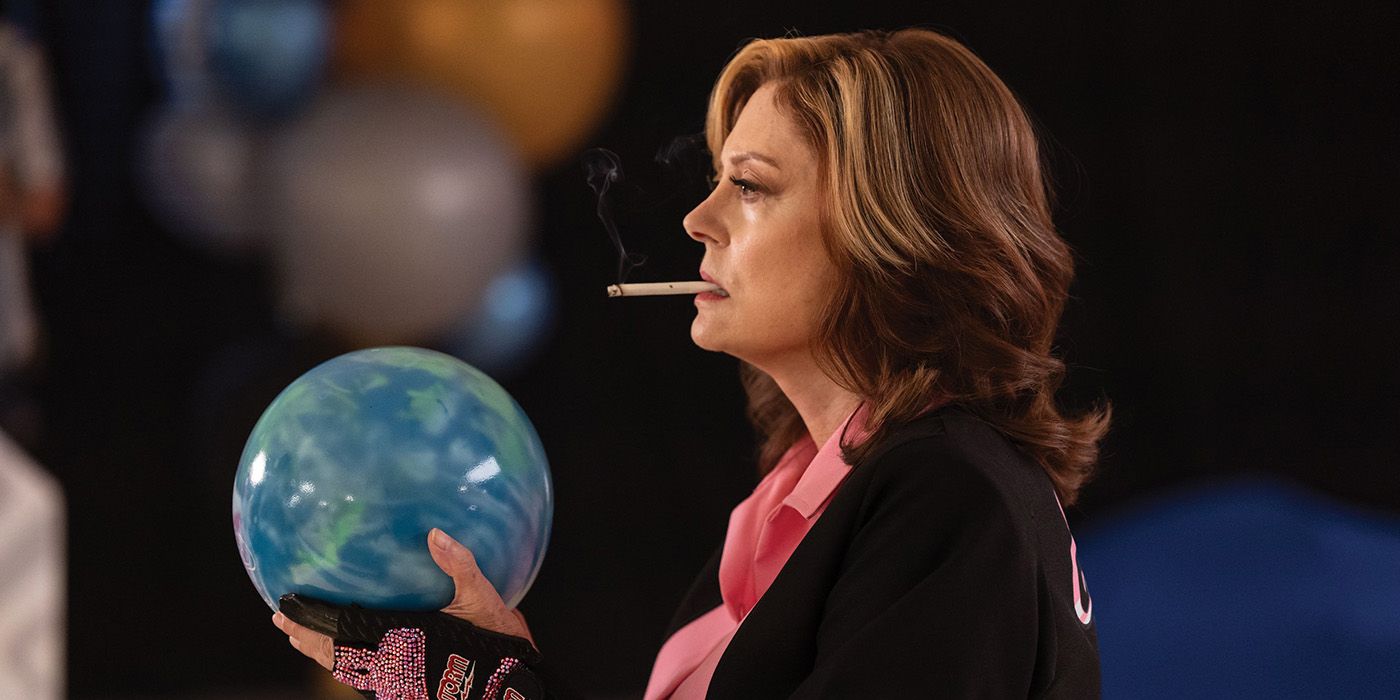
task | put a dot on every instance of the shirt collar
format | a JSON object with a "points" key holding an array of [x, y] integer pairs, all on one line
{"points": [[827, 469]]}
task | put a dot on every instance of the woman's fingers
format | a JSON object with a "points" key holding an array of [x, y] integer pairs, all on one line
{"points": [[475, 601], [314, 645]]}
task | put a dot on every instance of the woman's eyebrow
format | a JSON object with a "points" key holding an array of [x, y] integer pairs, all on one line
{"points": [[738, 158]]}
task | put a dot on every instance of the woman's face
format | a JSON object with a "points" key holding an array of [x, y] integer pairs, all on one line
{"points": [[760, 228]]}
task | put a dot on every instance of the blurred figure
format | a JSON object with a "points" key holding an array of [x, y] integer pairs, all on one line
{"points": [[32, 591], [31, 504], [32, 197]]}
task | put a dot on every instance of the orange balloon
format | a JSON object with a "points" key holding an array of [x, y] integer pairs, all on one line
{"points": [[546, 69]]}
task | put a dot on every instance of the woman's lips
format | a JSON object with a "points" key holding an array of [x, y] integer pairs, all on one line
{"points": [[721, 293]]}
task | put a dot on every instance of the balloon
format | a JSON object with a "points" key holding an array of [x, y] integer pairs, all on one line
{"points": [[181, 47], [512, 319], [264, 57], [355, 462], [546, 69], [392, 211], [267, 56], [197, 166]]}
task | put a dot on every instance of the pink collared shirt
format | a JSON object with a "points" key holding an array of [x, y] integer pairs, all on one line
{"points": [[763, 532]]}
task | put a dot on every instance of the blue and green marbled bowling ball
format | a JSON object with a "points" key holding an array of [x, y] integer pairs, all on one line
{"points": [[353, 464]]}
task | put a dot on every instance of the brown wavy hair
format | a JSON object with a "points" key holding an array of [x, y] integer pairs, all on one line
{"points": [[952, 277]]}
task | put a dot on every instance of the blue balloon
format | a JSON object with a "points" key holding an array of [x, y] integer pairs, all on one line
{"points": [[356, 461], [268, 56], [513, 318], [180, 48]]}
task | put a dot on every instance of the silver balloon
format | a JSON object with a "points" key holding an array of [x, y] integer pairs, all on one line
{"points": [[392, 210], [197, 166]]}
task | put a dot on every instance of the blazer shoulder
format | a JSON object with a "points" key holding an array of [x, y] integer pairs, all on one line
{"points": [[951, 452]]}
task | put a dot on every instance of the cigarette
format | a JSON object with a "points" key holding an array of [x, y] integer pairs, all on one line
{"points": [[651, 289]]}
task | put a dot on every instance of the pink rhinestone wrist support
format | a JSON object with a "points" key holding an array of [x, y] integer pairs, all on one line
{"points": [[395, 671]]}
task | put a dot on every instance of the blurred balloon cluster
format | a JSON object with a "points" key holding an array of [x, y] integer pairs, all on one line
{"points": [[379, 153]]}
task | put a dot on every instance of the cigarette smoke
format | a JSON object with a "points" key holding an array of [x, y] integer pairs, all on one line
{"points": [[683, 153], [604, 170], [684, 166]]}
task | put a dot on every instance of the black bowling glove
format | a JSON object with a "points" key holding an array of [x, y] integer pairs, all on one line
{"points": [[390, 655]]}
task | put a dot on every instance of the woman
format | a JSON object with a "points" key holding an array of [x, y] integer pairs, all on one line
{"points": [[892, 282]]}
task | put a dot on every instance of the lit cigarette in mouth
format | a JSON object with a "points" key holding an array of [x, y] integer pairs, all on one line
{"points": [[651, 289]]}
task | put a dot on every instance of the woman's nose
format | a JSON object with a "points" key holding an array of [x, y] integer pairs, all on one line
{"points": [[702, 225]]}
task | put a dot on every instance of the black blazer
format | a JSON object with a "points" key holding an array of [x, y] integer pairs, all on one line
{"points": [[941, 568]]}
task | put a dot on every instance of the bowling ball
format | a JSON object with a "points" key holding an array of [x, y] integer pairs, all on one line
{"points": [[353, 463]]}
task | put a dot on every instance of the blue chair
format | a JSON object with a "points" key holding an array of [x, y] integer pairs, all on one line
{"points": [[1245, 588]]}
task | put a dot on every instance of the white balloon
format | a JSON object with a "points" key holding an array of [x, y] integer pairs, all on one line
{"points": [[198, 166], [392, 210]]}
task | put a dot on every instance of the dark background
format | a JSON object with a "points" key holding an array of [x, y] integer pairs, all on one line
{"points": [[1227, 175]]}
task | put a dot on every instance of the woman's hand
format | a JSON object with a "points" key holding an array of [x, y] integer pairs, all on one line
{"points": [[475, 601]]}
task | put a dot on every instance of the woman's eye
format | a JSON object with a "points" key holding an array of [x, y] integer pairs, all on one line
{"points": [[746, 188]]}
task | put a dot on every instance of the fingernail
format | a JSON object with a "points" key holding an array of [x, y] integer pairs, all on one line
{"points": [[438, 538]]}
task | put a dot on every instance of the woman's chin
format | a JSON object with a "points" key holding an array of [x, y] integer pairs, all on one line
{"points": [[703, 336]]}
